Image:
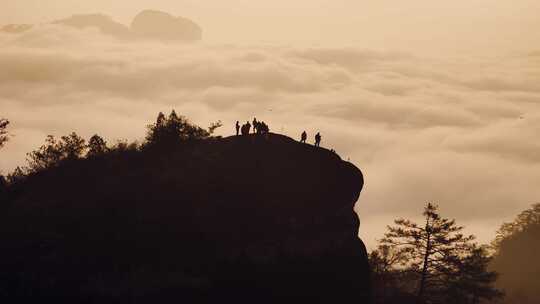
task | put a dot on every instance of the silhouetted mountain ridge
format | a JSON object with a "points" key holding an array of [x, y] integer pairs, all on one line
{"points": [[249, 218], [148, 25], [152, 24], [105, 24]]}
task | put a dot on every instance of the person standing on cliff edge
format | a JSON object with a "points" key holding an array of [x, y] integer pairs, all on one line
{"points": [[304, 137], [248, 127], [237, 128], [318, 139], [255, 125]]}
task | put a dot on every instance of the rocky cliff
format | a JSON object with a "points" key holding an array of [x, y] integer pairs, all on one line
{"points": [[249, 219]]}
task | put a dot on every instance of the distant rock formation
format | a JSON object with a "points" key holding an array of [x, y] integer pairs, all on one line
{"points": [[150, 25], [162, 26], [103, 23], [243, 219]]}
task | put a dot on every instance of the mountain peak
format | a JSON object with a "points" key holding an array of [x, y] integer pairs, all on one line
{"points": [[153, 24], [148, 24]]}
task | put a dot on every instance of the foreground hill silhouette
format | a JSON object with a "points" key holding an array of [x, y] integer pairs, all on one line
{"points": [[249, 219], [517, 250]]}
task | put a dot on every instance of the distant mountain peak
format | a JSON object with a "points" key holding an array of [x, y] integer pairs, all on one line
{"points": [[103, 23], [163, 26], [148, 24]]}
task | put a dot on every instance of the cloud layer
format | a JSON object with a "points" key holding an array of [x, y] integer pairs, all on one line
{"points": [[459, 131]]}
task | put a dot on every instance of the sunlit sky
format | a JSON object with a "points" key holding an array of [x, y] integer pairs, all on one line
{"points": [[434, 100], [457, 25]]}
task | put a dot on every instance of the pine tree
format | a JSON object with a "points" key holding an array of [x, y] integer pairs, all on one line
{"points": [[428, 249], [160, 121], [472, 281]]}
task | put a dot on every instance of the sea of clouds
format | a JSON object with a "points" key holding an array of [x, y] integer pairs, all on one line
{"points": [[461, 131]]}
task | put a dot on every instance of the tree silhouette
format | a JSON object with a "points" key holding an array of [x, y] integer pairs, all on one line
{"points": [[18, 175], [50, 154], [525, 220], [174, 129], [214, 126], [71, 146], [517, 248], [385, 258], [3, 131], [46, 156], [161, 120], [3, 138], [389, 279], [96, 146], [472, 281], [433, 250]]}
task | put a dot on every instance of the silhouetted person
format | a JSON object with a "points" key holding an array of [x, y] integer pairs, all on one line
{"points": [[245, 129], [318, 139], [255, 125], [248, 127], [237, 128], [304, 137], [263, 128]]}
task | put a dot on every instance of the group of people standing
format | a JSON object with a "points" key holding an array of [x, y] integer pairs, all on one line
{"points": [[318, 138], [259, 127]]}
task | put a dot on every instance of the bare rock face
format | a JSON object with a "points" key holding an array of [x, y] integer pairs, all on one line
{"points": [[162, 26]]}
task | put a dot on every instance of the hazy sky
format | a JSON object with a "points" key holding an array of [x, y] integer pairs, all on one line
{"points": [[434, 102], [469, 25]]}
